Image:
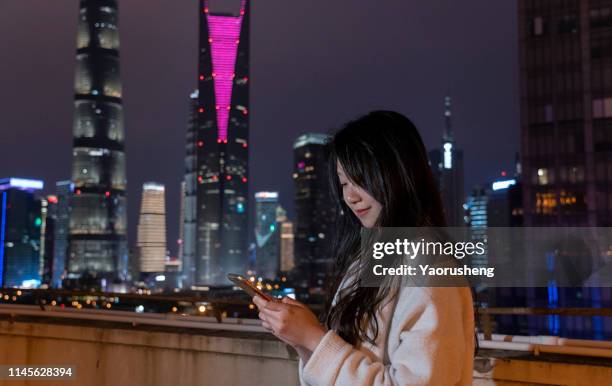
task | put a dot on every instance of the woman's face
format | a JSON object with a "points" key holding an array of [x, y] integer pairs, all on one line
{"points": [[364, 206]]}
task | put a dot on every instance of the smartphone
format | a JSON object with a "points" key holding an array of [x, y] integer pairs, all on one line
{"points": [[247, 286]]}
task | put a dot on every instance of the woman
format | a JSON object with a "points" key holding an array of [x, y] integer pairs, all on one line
{"points": [[376, 336]]}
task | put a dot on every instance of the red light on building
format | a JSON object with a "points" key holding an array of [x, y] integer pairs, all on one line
{"points": [[214, 74], [201, 77], [246, 78], [210, 40], [228, 177], [200, 143], [200, 179], [52, 199], [217, 107], [215, 178], [78, 192], [218, 140], [245, 111], [503, 173], [107, 193], [228, 107], [245, 145], [237, 41], [244, 179], [225, 141], [242, 12], [201, 110], [205, 9]]}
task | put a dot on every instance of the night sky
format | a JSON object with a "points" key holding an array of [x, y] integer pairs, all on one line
{"points": [[314, 65]]}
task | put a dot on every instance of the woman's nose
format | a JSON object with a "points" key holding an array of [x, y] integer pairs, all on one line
{"points": [[352, 196]]}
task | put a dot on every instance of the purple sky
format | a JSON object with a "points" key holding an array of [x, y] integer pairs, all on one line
{"points": [[314, 65]]}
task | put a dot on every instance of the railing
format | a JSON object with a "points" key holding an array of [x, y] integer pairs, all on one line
{"points": [[542, 343]]}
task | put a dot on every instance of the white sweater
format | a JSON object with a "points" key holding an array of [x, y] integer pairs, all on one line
{"points": [[425, 337]]}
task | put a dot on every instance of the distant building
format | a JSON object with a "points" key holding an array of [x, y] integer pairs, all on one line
{"points": [[267, 235], [63, 192], [477, 220], [98, 218], [187, 254], [48, 228], [20, 233], [152, 229], [315, 211], [447, 168], [566, 120], [222, 139], [287, 259]]}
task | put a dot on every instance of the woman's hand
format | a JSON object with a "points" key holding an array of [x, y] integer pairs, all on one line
{"points": [[290, 321]]}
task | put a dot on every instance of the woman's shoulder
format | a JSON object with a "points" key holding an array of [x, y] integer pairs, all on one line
{"points": [[439, 301]]}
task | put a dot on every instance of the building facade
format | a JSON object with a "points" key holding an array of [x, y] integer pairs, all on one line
{"points": [[315, 211], [189, 196], [221, 144], [566, 134], [267, 234], [151, 242], [98, 222], [63, 192], [20, 233]]}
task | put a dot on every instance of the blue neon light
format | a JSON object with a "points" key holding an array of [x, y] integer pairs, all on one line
{"points": [[2, 229]]}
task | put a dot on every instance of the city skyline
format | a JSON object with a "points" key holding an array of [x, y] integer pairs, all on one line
{"points": [[289, 82]]}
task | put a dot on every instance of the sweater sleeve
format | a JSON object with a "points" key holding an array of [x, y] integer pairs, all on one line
{"points": [[428, 349]]}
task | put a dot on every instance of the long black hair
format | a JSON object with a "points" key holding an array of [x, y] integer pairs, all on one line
{"points": [[383, 153]]}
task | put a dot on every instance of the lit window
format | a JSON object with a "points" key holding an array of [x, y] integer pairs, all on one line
{"points": [[538, 26]]}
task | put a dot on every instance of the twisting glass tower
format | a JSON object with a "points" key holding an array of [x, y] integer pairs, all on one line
{"points": [[98, 216], [221, 143]]}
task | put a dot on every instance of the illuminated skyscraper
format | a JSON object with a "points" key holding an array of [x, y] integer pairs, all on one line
{"points": [[98, 216], [315, 211], [63, 192], [566, 121], [566, 112], [189, 198], [447, 167], [222, 143], [287, 261], [267, 234], [20, 231], [152, 229]]}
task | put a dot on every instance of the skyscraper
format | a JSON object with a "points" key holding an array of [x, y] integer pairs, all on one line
{"points": [[566, 112], [447, 167], [63, 192], [20, 223], [267, 234], [287, 260], [48, 228], [189, 198], [152, 229], [315, 211], [222, 143], [566, 120], [98, 216]]}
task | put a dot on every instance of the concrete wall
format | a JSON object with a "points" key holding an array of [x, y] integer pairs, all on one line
{"points": [[113, 356], [116, 355]]}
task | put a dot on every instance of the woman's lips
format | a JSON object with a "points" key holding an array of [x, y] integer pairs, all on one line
{"points": [[362, 212]]}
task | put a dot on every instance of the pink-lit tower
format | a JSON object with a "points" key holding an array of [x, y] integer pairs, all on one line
{"points": [[221, 143]]}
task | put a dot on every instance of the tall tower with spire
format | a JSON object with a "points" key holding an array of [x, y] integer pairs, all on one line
{"points": [[447, 166], [98, 222]]}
